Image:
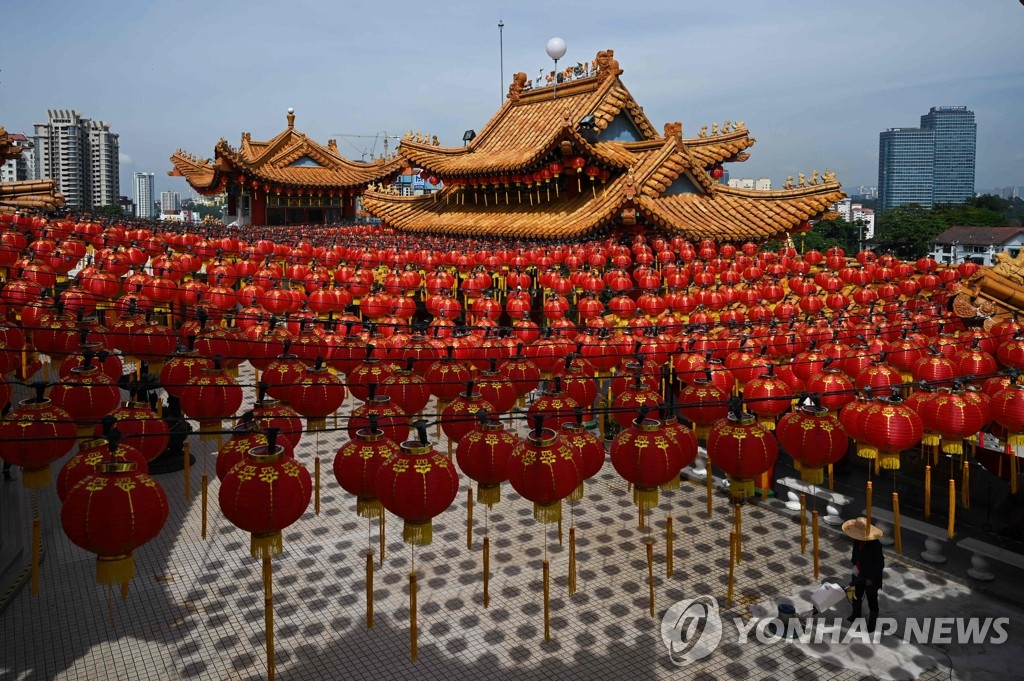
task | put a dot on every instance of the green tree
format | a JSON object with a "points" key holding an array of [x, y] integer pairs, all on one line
{"points": [[828, 233], [113, 212], [908, 230]]}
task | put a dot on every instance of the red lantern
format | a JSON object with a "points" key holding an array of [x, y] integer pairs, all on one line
{"points": [[745, 450], [1008, 411], [142, 429], [91, 454], [87, 395], [390, 418], [767, 397], [264, 493], [954, 418], [483, 455], [703, 403], [357, 463], [814, 438], [211, 398], [888, 426], [542, 469], [457, 417], [407, 389], [417, 484], [317, 394], [645, 456], [112, 513], [554, 405]]}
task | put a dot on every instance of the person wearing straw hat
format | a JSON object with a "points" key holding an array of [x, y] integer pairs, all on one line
{"points": [[868, 564]]}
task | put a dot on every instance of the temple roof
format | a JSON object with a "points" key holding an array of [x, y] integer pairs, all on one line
{"points": [[707, 210], [290, 159]]}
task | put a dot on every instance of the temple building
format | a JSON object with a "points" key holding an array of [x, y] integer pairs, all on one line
{"points": [[287, 180], [578, 155]]}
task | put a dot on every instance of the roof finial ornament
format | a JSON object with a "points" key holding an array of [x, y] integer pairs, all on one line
{"points": [[703, 131], [814, 177], [802, 182], [829, 176], [714, 129], [725, 126], [291, 117], [789, 182]]}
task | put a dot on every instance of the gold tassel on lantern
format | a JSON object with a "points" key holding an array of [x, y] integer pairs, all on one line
{"points": [[897, 533], [206, 482], [382, 525], [803, 524], [268, 613], [738, 523], [368, 508], [710, 481], [669, 544], [266, 545], [369, 589], [489, 495], [487, 571], [732, 566], [1013, 473], [831, 479], [867, 502], [548, 513], [547, 601], [952, 507], [650, 575], [417, 533], [927, 491], [414, 648], [469, 519], [316, 485], [814, 540], [572, 561]]}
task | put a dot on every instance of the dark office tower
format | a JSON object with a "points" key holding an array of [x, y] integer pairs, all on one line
{"points": [[955, 141], [931, 164]]}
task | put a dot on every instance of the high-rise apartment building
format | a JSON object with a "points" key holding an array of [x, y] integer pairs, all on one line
{"points": [[80, 155], [931, 164], [170, 202], [144, 204]]}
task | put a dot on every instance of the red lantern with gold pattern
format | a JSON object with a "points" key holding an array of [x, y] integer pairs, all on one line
{"points": [[744, 449], [457, 417], [407, 389], [417, 484], [834, 387], [264, 493], [1008, 411], [767, 397], [954, 418], [35, 435], [628, 402], [390, 418], [111, 513], [142, 428], [703, 403], [554, 405], [317, 394], [814, 438], [357, 463], [91, 454], [483, 455], [211, 398], [87, 395], [542, 469], [644, 455], [588, 449], [888, 426]]}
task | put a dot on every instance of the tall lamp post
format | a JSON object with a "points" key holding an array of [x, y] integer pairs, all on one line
{"points": [[556, 50], [501, 58]]}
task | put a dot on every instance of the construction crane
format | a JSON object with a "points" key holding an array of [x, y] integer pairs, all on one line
{"points": [[364, 152]]}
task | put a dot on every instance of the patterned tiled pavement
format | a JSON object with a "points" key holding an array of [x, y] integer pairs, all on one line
{"points": [[195, 610]]}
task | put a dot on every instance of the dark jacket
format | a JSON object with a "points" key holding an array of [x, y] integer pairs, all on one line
{"points": [[868, 557]]}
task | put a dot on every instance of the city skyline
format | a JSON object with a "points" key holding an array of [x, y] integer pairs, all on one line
{"points": [[818, 101]]}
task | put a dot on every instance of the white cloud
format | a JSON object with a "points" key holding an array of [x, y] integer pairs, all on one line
{"points": [[124, 159]]}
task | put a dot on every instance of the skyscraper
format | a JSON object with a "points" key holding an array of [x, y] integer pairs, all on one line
{"points": [[955, 141], [80, 155], [170, 202], [144, 206], [931, 164]]}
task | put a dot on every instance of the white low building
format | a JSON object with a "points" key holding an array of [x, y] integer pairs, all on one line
{"points": [[979, 244]]}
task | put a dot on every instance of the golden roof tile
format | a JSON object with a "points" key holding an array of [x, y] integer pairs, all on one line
{"points": [[31, 194], [737, 214]]}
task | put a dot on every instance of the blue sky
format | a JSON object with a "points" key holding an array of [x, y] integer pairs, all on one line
{"points": [[815, 82]]}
